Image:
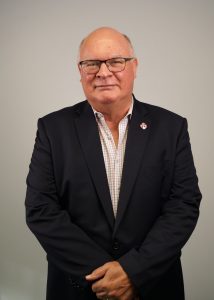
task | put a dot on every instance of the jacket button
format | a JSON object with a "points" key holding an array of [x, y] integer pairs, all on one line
{"points": [[116, 245], [72, 282]]}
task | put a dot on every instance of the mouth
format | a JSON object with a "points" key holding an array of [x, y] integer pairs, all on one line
{"points": [[105, 86]]}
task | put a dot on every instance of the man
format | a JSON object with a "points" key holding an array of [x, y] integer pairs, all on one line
{"points": [[112, 190]]}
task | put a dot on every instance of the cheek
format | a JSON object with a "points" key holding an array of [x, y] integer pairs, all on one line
{"points": [[126, 81], [87, 82], [127, 77]]}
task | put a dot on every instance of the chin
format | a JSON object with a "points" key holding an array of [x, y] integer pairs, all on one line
{"points": [[107, 100], [106, 97]]}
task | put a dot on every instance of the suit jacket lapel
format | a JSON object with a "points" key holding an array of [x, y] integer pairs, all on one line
{"points": [[136, 142], [90, 142]]}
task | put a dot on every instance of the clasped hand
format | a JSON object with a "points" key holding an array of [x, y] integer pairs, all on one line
{"points": [[111, 282]]}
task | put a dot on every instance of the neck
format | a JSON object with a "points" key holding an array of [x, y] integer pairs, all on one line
{"points": [[114, 112]]}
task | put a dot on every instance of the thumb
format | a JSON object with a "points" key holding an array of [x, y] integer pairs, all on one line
{"points": [[97, 273]]}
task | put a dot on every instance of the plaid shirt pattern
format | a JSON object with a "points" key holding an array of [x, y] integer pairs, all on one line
{"points": [[113, 155]]}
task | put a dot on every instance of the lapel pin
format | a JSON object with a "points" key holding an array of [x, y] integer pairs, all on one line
{"points": [[143, 125]]}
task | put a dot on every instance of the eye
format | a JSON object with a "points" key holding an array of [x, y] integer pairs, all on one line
{"points": [[116, 62], [92, 63]]}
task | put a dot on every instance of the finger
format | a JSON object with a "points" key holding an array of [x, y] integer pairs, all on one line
{"points": [[109, 286], [99, 286], [112, 283], [128, 295], [101, 295], [116, 294], [97, 273], [115, 284], [101, 271]]}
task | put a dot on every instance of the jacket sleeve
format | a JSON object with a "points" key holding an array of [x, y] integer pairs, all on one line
{"points": [[66, 244], [171, 230]]}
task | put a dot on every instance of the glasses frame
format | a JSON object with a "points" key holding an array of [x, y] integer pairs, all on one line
{"points": [[81, 63]]}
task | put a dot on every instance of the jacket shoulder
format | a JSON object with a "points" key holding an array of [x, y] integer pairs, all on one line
{"points": [[64, 113], [159, 114]]}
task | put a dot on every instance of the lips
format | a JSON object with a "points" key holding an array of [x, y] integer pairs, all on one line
{"points": [[105, 86]]}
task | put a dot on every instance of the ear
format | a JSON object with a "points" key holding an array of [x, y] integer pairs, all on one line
{"points": [[135, 63], [79, 68], [80, 71]]}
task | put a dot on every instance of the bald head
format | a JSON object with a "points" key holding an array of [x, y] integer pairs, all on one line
{"points": [[102, 36]]}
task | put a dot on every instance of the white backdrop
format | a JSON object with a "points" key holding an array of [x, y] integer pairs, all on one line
{"points": [[38, 74]]}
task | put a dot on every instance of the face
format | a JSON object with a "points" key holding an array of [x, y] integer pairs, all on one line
{"points": [[106, 87]]}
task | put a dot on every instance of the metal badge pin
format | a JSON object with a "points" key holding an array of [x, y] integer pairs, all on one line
{"points": [[143, 125]]}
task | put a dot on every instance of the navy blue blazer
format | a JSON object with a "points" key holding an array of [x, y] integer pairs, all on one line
{"points": [[69, 209]]}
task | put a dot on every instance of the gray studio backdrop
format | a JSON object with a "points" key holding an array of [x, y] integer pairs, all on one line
{"points": [[38, 74]]}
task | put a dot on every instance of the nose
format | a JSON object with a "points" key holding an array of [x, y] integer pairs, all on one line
{"points": [[103, 71]]}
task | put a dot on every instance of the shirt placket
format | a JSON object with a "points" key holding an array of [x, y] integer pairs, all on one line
{"points": [[114, 157]]}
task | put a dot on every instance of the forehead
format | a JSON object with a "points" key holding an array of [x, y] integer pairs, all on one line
{"points": [[104, 47]]}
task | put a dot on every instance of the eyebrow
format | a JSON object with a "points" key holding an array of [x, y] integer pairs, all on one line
{"points": [[114, 56]]}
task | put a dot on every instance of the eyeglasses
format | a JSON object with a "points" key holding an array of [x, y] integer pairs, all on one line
{"points": [[114, 65]]}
